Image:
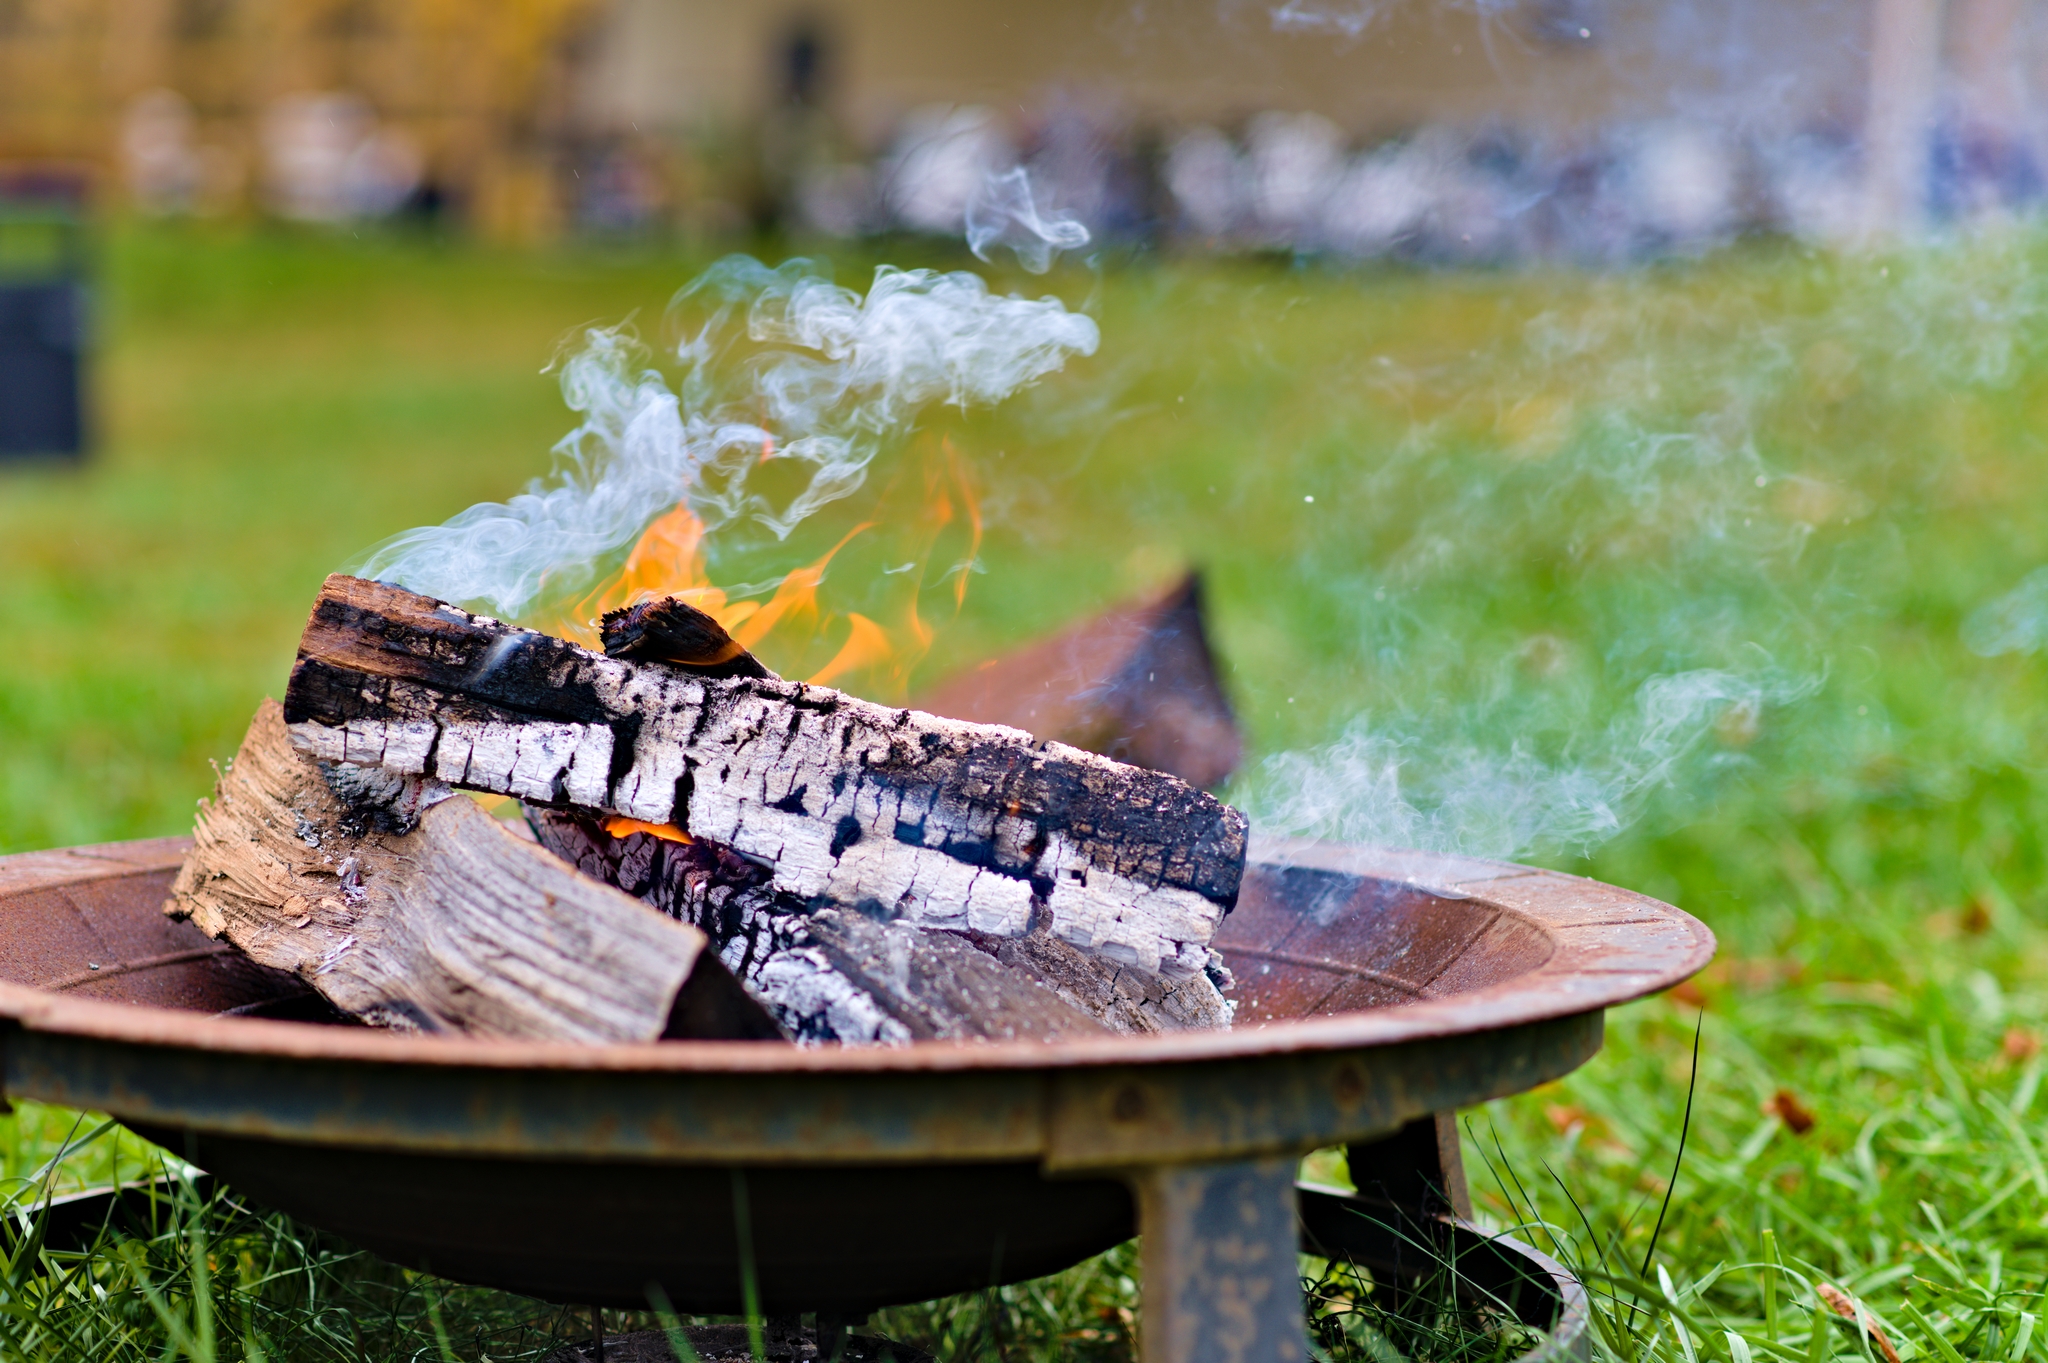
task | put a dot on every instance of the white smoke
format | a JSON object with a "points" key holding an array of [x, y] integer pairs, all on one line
{"points": [[1352, 19], [1596, 584], [1004, 213], [782, 360], [2014, 623], [1348, 20], [1450, 792]]}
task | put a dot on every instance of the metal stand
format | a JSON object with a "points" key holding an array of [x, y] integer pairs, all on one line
{"points": [[1222, 1283], [1412, 1218], [1221, 1280]]}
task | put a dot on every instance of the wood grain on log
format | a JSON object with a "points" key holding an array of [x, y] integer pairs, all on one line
{"points": [[832, 974], [940, 823], [459, 925]]}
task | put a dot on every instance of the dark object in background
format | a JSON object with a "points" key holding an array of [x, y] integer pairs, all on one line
{"points": [[42, 313], [1137, 683]]}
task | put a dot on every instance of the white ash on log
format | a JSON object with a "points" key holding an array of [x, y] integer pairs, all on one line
{"points": [[457, 925], [934, 822], [814, 969], [932, 984], [1123, 999], [1098, 683]]}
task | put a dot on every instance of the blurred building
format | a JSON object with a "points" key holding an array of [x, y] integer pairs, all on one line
{"points": [[305, 108], [1437, 128]]}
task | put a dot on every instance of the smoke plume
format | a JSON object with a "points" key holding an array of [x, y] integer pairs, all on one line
{"points": [[777, 364], [1452, 792], [1614, 563], [1005, 213], [2016, 622]]}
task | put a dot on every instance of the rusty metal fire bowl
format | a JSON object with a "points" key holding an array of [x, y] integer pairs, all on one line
{"points": [[1379, 991]]}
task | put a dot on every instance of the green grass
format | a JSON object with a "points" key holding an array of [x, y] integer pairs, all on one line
{"points": [[1657, 576]]}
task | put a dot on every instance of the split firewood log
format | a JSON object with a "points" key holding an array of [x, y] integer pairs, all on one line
{"points": [[817, 969], [926, 821], [429, 915], [1137, 683], [1123, 999], [1098, 686]]}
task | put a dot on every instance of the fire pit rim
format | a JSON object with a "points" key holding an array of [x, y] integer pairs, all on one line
{"points": [[1608, 946]]}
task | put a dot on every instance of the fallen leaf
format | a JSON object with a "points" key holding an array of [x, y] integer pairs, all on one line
{"points": [[1739, 724], [1564, 1118], [2019, 1045], [1786, 1107], [1844, 1305], [1758, 973]]}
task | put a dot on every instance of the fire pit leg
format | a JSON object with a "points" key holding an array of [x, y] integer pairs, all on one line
{"points": [[1222, 1284], [1419, 1168]]}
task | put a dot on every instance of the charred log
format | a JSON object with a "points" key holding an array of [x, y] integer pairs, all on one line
{"points": [[457, 925], [731, 900], [1123, 999], [828, 975], [927, 821]]}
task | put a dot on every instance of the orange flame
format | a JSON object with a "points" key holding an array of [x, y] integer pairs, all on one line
{"points": [[619, 826], [668, 560]]}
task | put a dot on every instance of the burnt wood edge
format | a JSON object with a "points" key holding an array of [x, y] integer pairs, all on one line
{"points": [[713, 1005], [1212, 865], [362, 636]]}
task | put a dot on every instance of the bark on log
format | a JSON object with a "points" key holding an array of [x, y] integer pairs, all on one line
{"points": [[939, 823], [833, 974], [459, 925]]}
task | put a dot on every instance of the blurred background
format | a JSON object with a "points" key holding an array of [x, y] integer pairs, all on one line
{"points": [[1481, 130], [1612, 433]]}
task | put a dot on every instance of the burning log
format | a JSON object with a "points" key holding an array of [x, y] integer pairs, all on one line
{"points": [[1123, 999], [926, 821], [455, 924], [823, 973], [1137, 683]]}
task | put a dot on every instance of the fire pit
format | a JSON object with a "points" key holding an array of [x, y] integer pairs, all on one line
{"points": [[1376, 989]]}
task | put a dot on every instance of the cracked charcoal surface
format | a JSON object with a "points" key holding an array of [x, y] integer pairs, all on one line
{"points": [[943, 824]]}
